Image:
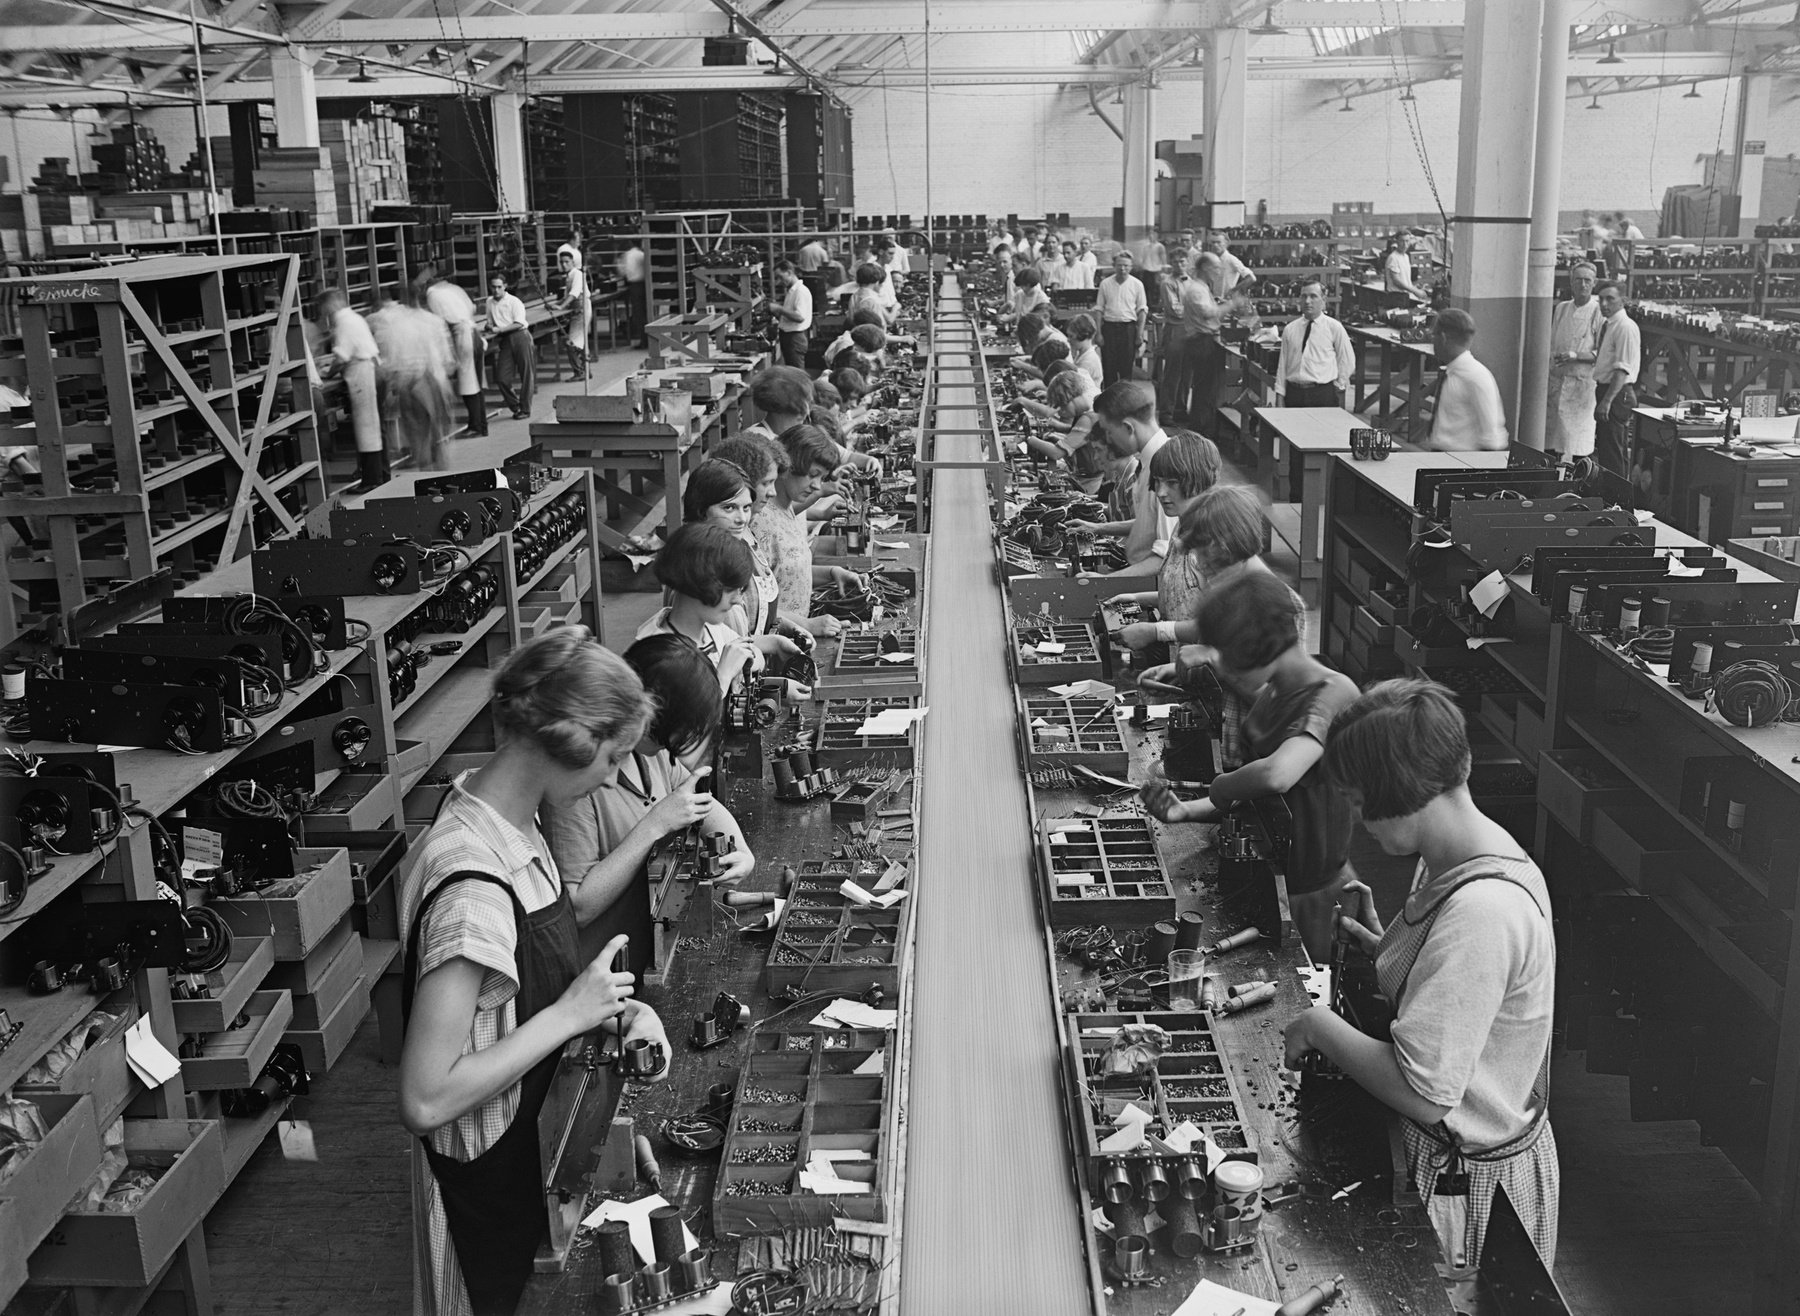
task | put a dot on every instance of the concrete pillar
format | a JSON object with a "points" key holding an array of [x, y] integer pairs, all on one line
{"points": [[296, 101], [1227, 62], [509, 151], [1140, 161], [1546, 198], [1491, 226], [1752, 143]]}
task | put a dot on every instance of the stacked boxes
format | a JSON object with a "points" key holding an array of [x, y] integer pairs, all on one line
{"points": [[298, 178], [369, 163]]}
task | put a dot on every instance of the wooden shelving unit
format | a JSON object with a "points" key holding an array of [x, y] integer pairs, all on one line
{"points": [[676, 244], [169, 403]]}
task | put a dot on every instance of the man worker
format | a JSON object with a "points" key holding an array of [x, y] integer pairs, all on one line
{"points": [[353, 347], [1468, 416], [1574, 344], [1052, 269], [1202, 316], [1233, 273], [1397, 270], [515, 355], [1316, 357], [1123, 308], [1125, 419], [793, 313], [1618, 354], [1084, 265]]}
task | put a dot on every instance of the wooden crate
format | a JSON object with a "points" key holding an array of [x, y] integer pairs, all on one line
{"points": [[836, 743], [827, 943], [1573, 783], [1103, 870], [1645, 847], [305, 976], [53, 1171], [321, 1047], [1190, 1084], [298, 911], [312, 1009], [1082, 658], [229, 987], [233, 1059], [129, 1249], [356, 802], [858, 667], [826, 1106], [101, 1070], [1070, 731]]}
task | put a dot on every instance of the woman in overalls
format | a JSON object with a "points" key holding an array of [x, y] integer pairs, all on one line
{"points": [[1469, 964], [494, 986]]}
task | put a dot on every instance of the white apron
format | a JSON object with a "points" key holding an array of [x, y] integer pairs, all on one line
{"points": [[1569, 428]]}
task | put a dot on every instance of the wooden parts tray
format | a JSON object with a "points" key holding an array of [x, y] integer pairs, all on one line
{"points": [[837, 744], [826, 942], [1190, 1084], [1104, 870], [859, 668], [1069, 731], [1081, 658], [801, 1086]]}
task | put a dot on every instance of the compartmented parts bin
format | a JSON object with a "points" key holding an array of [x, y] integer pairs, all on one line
{"points": [[825, 942], [1082, 657], [1084, 731], [1104, 870], [837, 742]]}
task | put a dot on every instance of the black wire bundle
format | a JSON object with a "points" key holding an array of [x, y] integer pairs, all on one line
{"points": [[1751, 693]]}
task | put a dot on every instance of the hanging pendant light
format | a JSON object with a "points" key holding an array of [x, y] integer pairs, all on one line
{"points": [[1692, 93], [362, 73], [1406, 93], [1346, 107], [1595, 103], [1268, 27], [1612, 55]]}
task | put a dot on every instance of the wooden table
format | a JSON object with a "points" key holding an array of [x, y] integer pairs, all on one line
{"points": [[685, 340], [1395, 356], [1310, 436]]}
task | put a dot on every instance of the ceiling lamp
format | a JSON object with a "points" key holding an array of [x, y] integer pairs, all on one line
{"points": [[1612, 54], [1692, 93], [362, 73], [1268, 28], [1346, 107], [1595, 103], [1406, 93]]}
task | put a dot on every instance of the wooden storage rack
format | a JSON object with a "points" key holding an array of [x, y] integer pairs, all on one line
{"points": [[825, 942], [1069, 731], [196, 401], [1104, 870]]}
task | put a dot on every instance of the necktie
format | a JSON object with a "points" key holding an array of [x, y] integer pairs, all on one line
{"points": [[1598, 342], [1306, 337]]}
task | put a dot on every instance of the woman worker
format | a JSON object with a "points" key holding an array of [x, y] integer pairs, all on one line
{"points": [[602, 840], [1469, 963], [494, 984]]}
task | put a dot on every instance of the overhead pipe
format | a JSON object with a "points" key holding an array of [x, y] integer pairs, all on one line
{"points": [[1094, 102]]}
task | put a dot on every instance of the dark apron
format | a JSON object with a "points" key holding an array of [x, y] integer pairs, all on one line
{"points": [[494, 1204]]}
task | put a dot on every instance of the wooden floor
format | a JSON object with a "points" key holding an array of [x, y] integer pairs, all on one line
{"points": [[332, 1237]]}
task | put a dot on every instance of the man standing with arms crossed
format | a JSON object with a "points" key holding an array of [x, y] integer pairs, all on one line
{"points": [[1616, 362], [1122, 307], [1574, 331]]}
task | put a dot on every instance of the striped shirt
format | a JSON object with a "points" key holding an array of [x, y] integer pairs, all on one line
{"points": [[473, 921]]}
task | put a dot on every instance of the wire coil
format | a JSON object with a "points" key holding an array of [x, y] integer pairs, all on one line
{"points": [[1751, 693]]}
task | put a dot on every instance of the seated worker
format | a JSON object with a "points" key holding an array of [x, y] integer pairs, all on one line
{"points": [[1182, 469], [1262, 656], [1470, 963], [1028, 296], [784, 397], [602, 839], [780, 527], [705, 570], [869, 280], [859, 346], [1072, 395], [719, 493], [1083, 350], [1128, 424], [1047, 350], [764, 461], [1221, 536]]}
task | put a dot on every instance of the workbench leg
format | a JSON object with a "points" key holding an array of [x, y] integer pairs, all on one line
{"points": [[1313, 467], [1415, 400], [671, 492], [1387, 385]]}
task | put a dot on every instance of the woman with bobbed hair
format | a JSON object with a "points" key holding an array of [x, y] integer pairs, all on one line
{"points": [[494, 985], [1469, 963]]}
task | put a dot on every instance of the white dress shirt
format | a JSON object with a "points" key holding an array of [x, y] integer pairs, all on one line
{"points": [[797, 305], [1081, 269], [1150, 522], [505, 312], [1621, 348], [1121, 303], [1469, 415], [1323, 356], [351, 339]]}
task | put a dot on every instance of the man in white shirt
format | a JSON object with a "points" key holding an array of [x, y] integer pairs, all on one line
{"points": [[1316, 357], [1233, 273], [1029, 244], [1082, 265], [1052, 269], [1123, 308], [793, 313], [1574, 338], [353, 348], [456, 308], [1125, 417], [1468, 416], [514, 352], [632, 267], [1617, 358], [1397, 270], [812, 257]]}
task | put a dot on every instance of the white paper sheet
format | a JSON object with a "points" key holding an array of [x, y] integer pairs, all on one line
{"points": [[637, 1215], [1209, 1299], [148, 1057]]}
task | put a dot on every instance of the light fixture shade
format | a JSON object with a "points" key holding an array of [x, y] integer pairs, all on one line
{"points": [[1692, 93], [1346, 107], [1268, 27], [1406, 93], [362, 73], [1611, 56], [1595, 103]]}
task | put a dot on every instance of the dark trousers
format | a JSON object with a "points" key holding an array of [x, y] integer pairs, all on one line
{"points": [[1118, 350], [1205, 356], [1313, 395], [1612, 430], [515, 369], [1174, 377], [637, 312], [793, 348]]}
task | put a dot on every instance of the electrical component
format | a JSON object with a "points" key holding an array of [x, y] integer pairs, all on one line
{"points": [[284, 1076], [464, 600], [187, 719], [341, 567], [461, 517]]}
